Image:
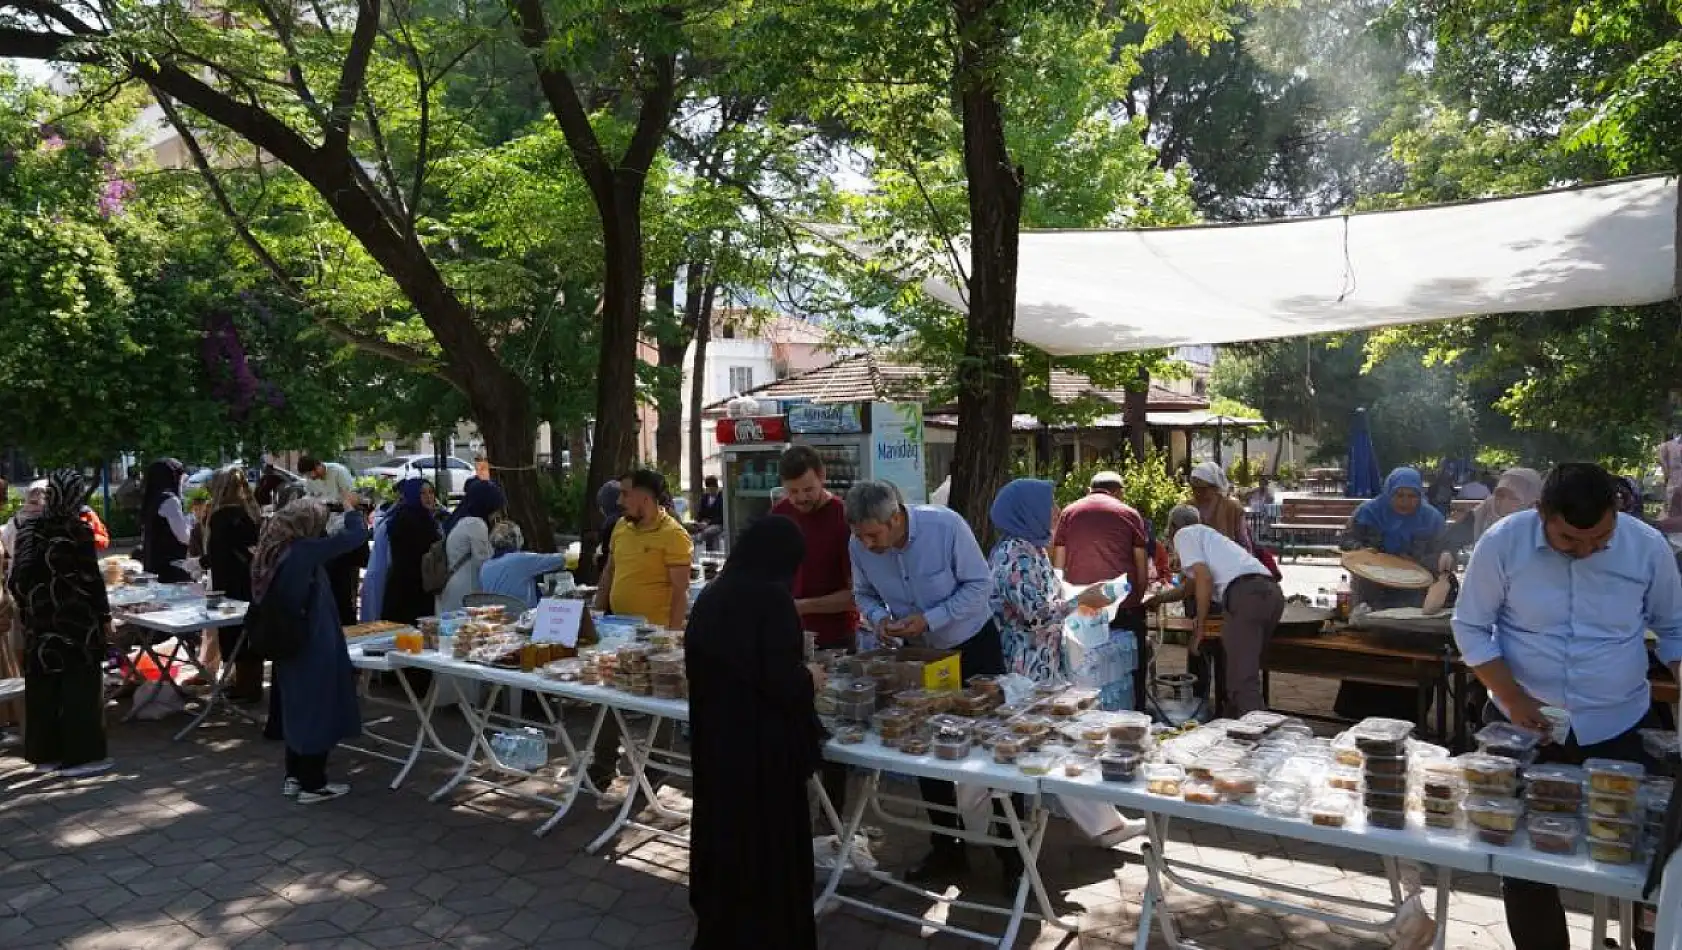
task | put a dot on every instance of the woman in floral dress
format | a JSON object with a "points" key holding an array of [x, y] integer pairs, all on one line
{"points": [[1028, 601]]}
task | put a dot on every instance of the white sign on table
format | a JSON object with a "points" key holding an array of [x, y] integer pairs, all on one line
{"points": [[558, 621]]}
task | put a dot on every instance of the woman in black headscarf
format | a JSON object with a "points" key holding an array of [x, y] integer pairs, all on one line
{"points": [[164, 527], [756, 742], [61, 603]]}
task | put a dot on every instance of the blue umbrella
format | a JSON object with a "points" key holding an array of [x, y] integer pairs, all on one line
{"points": [[1363, 481]]}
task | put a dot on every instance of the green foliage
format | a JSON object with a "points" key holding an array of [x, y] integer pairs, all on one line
{"points": [[564, 497], [1312, 385]]}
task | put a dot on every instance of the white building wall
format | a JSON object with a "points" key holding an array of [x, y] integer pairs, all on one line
{"points": [[753, 356]]}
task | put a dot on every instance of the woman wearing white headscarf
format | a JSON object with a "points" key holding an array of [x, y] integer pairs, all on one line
{"points": [[1517, 490], [1211, 494]]}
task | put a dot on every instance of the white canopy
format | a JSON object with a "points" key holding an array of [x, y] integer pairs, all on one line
{"points": [[1083, 292]]}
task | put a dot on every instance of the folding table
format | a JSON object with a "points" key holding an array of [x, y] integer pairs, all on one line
{"points": [[187, 620], [1606, 883], [1026, 833], [1445, 851]]}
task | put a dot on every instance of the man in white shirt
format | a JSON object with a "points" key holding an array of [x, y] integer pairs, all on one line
{"points": [[1216, 568], [332, 482], [328, 481]]}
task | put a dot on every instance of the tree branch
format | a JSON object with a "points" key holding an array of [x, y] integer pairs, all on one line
{"points": [[657, 96], [562, 94], [45, 47], [352, 75]]}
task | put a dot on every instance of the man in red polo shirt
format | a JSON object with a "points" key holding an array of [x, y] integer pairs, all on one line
{"points": [[823, 587], [1100, 537]]}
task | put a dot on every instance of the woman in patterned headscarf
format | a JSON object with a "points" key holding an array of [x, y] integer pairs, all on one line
{"points": [[61, 603], [312, 703]]}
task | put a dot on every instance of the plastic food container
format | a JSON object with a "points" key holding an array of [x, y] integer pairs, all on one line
{"points": [[1209, 763], [1386, 765], [1490, 774], [1394, 819], [1500, 839], [1165, 780], [1345, 752], [1331, 809], [1382, 736], [919, 702], [1440, 806], [1662, 744], [1554, 834], [974, 702], [1006, 749], [1556, 782], [1396, 784], [1612, 852], [987, 683], [850, 735], [1280, 801], [1614, 829], [914, 745], [1129, 728], [1421, 752], [1033, 726], [1608, 805], [1508, 741], [1201, 793], [1610, 775], [1384, 801], [1344, 778], [1262, 717], [1443, 820], [1008, 711], [1553, 806], [1074, 766], [1494, 814], [1251, 732], [1036, 763], [1093, 730], [951, 745], [1119, 765], [1237, 785]]}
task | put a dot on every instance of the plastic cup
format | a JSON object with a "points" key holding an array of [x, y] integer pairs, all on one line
{"points": [[1560, 720]]}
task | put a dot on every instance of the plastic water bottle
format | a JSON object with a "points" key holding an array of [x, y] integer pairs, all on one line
{"points": [[1117, 589]]}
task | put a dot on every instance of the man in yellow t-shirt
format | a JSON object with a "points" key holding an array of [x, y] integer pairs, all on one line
{"points": [[647, 576], [647, 573]]}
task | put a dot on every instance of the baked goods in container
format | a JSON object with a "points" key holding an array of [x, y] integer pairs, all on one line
{"points": [[1490, 774], [1613, 805], [850, 735], [1130, 728], [1074, 766], [1614, 829], [1165, 780], [1612, 852], [1443, 819], [1495, 814], [1331, 809], [1200, 793], [1508, 741], [988, 684], [1500, 839], [1386, 765], [1552, 806], [951, 745], [1006, 749], [1036, 763], [1344, 778], [1556, 782], [914, 745], [1281, 801], [1384, 801], [1440, 806], [1237, 785], [1119, 765], [1614, 776], [1554, 834], [1382, 736], [1395, 820]]}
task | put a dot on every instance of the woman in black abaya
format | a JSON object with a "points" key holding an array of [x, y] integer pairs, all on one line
{"points": [[756, 741]]}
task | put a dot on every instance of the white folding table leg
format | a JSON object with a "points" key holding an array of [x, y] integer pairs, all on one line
{"points": [[638, 784], [423, 729], [848, 829], [477, 723], [1444, 888], [1597, 938]]}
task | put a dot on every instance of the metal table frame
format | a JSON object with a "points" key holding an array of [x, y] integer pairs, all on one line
{"points": [[179, 623]]}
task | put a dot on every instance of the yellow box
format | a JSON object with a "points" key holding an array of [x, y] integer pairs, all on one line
{"points": [[923, 667]]}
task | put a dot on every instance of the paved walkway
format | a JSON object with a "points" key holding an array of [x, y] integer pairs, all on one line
{"points": [[191, 845]]}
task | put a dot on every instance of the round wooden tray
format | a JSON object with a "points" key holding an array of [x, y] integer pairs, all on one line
{"points": [[1387, 570], [1407, 619]]}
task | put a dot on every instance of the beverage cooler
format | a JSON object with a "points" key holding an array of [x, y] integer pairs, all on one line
{"points": [[857, 441]]}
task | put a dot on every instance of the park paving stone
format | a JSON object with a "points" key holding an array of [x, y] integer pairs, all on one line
{"points": [[191, 845]]}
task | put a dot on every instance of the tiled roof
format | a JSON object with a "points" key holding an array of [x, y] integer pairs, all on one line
{"points": [[865, 377]]}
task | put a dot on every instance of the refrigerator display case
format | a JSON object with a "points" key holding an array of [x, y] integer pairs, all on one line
{"points": [[750, 448]]}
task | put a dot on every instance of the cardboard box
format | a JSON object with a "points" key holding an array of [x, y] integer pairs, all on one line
{"points": [[921, 667]]}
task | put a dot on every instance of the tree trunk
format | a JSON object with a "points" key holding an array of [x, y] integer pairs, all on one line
{"points": [[698, 395], [670, 344], [988, 379], [1135, 414], [615, 443]]}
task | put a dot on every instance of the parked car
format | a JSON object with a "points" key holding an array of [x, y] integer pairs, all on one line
{"points": [[423, 466]]}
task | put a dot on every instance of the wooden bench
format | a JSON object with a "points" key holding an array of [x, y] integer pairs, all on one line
{"points": [[1312, 525]]}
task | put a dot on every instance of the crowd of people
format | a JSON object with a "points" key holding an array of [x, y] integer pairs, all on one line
{"points": [[1564, 582]]}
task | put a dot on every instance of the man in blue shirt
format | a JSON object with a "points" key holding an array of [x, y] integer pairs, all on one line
{"points": [[919, 576], [513, 572], [1554, 611]]}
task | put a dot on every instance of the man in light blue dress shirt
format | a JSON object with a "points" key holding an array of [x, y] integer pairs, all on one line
{"points": [[1554, 611], [919, 576]]}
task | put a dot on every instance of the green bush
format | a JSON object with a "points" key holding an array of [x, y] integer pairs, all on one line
{"points": [[1287, 475], [564, 497], [378, 489]]}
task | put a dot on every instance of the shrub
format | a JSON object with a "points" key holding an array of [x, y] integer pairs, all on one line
{"points": [[1148, 486]]}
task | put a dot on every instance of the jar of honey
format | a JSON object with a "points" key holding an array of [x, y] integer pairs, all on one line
{"points": [[409, 641]]}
